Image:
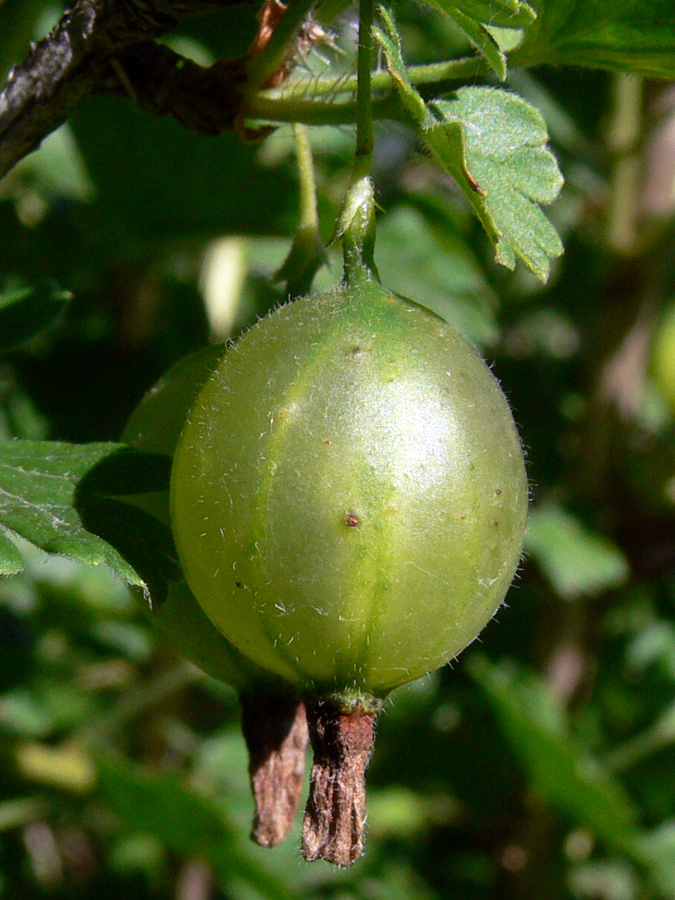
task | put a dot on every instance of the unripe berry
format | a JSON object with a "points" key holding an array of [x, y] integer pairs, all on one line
{"points": [[348, 494]]}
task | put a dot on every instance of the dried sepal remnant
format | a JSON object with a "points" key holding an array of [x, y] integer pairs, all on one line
{"points": [[275, 730], [336, 808]]}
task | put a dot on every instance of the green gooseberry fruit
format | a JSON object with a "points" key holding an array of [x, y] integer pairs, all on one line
{"points": [[348, 493], [273, 719], [348, 498]]}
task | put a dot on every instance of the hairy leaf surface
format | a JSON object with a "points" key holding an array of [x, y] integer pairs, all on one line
{"points": [[493, 143]]}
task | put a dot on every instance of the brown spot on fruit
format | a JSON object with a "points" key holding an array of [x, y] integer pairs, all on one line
{"points": [[352, 520]]}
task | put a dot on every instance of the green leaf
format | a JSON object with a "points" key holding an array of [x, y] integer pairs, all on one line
{"points": [[658, 846], [483, 40], [67, 499], [632, 35], [388, 38], [570, 779], [26, 311], [506, 170], [476, 19], [493, 143], [11, 561], [574, 559]]}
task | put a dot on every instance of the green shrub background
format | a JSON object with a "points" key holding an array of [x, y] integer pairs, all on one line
{"points": [[540, 764]]}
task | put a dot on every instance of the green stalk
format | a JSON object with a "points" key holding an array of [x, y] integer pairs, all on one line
{"points": [[315, 112], [623, 138], [307, 253], [364, 112], [302, 102], [309, 217], [356, 226]]}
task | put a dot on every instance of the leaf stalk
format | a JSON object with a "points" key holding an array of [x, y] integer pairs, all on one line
{"points": [[302, 101]]}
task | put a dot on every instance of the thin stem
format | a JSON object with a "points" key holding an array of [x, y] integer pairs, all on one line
{"points": [[309, 217], [356, 226], [622, 293], [307, 253], [283, 104], [427, 75], [364, 111], [438, 73], [310, 112], [280, 104]]}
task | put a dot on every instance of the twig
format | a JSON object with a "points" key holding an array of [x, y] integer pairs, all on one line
{"points": [[71, 62]]}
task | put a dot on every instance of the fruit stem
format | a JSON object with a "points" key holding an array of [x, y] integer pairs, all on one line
{"points": [[364, 101], [307, 253], [356, 226], [336, 808], [275, 731]]}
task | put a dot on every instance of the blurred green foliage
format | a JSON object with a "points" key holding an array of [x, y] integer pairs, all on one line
{"points": [[541, 764]]}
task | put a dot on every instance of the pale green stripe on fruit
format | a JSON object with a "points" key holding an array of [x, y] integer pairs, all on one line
{"points": [[279, 434]]}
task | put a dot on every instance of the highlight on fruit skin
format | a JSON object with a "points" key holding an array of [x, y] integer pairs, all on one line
{"points": [[349, 494]]}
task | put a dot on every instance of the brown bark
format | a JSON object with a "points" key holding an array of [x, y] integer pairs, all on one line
{"points": [[79, 55]]}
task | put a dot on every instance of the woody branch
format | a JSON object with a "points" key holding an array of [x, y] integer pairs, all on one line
{"points": [[108, 46]]}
